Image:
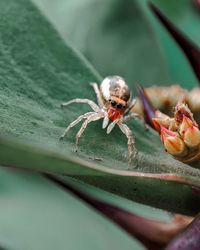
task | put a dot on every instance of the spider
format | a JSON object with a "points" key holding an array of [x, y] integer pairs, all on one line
{"points": [[114, 104]]}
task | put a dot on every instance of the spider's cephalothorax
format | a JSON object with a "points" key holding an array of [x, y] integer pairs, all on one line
{"points": [[114, 104]]}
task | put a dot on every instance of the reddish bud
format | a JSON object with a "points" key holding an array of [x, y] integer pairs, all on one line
{"points": [[192, 137], [185, 124], [173, 143]]}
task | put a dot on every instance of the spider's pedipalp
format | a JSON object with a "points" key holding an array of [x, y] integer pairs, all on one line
{"points": [[91, 118], [98, 94], [105, 121], [92, 104], [131, 141], [76, 121], [112, 125]]}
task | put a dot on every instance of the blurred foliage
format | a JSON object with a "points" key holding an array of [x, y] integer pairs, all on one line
{"points": [[115, 37], [127, 31], [35, 214], [186, 18]]}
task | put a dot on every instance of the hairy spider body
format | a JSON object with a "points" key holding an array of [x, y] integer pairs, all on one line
{"points": [[114, 101]]}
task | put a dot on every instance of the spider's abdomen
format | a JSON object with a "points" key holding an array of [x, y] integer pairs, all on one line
{"points": [[115, 86]]}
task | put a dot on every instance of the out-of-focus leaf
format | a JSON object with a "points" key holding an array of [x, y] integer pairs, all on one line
{"points": [[120, 202], [113, 34], [190, 49], [122, 30], [153, 234], [183, 16], [37, 73], [35, 214]]}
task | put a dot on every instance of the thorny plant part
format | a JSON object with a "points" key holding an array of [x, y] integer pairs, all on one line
{"points": [[166, 98], [180, 134], [114, 105]]}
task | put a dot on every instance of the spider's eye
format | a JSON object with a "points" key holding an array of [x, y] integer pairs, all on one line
{"points": [[124, 107], [113, 103], [119, 106]]}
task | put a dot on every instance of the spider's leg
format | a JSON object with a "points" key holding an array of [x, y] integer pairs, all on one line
{"points": [[131, 106], [133, 115], [98, 94], [91, 118], [131, 141], [76, 121], [112, 125], [92, 104]]}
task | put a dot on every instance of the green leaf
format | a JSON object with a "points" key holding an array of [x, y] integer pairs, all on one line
{"points": [[114, 36], [35, 214], [37, 73], [184, 16], [117, 201], [144, 229], [158, 189], [191, 50]]}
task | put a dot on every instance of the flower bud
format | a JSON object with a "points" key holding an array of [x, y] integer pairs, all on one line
{"points": [[157, 123], [182, 110], [173, 143], [192, 137], [161, 119], [185, 124]]}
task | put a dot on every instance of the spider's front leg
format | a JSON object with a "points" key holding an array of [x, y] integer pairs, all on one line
{"points": [[92, 104], [131, 116], [76, 121], [131, 142], [93, 117]]}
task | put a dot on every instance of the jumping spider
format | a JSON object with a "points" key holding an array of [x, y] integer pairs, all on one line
{"points": [[114, 105]]}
